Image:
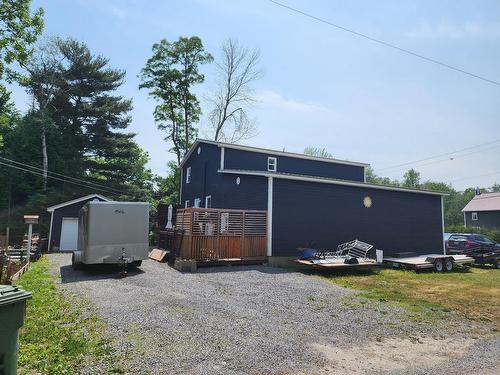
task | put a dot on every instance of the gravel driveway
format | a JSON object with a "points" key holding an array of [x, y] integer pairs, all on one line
{"points": [[264, 320]]}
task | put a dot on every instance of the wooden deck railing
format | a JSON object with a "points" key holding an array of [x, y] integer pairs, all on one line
{"points": [[216, 234]]}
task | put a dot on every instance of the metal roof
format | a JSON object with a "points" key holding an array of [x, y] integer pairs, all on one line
{"points": [[271, 152], [484, 202], [334, 181], [64, 204]]}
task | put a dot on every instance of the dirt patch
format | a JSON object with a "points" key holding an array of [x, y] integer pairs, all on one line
{"points": [[392, 354]]}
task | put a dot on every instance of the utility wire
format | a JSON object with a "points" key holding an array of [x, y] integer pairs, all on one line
{"points": [[481, 175], [63, 175], [438, 156], [63, 180], [390, 45]]}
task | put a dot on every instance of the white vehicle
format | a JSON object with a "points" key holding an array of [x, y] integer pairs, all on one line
{"points": [[112, 232]]}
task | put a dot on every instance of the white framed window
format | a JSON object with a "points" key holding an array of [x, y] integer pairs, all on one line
{"points": [[208, 201], [474, 216], [224, 222], [197, 202], [188, 175], [272, 164], [186, 204]]}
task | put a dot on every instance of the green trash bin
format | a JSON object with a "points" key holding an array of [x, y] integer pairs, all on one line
{"points": [[12, 313]]}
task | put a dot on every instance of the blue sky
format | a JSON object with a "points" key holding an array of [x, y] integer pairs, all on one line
{"points": [[321, 86]]}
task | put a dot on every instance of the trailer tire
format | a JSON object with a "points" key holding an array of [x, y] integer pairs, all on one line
{"points": [[448, 265], [74, 264], [438, 265]]}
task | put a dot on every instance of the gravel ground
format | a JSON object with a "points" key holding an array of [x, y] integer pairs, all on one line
{"points": [[263, 320]]}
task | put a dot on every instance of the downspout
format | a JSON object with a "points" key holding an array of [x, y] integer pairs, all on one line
{"points": [[50, 231], [442, 225]]}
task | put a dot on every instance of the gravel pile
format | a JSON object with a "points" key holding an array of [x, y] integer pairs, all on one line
{"points": [[255, 319]]}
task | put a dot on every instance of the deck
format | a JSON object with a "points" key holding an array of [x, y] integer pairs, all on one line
{"points": [[222, 236]]}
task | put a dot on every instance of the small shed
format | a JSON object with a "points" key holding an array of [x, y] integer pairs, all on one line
{"points": [[63, 231], [483, 211]]}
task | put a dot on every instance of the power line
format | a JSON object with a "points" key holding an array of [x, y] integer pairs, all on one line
{"points": [[390, 45], [438, 156], [471, 177], [63, 175], [62, 179]]}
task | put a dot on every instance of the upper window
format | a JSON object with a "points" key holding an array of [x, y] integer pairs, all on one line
{"points": [[186, 204], [272, 164], [208, 201], [188, 175], [474, 216], [197, 202]]}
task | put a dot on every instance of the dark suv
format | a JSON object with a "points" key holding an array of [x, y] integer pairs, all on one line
{"points": [[478, 246]]}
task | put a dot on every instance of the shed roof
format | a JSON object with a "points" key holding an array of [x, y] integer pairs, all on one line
{"points": [[334, 181], [86, 197], [484, 202]]}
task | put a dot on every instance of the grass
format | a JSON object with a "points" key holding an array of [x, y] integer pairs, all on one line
{"points": [[58, 336], [474, 294]]}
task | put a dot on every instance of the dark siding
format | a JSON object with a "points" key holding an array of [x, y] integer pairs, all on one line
{"points": [[325, 215], [248, 160], [66, 211], [250, 194], [485, 219]]}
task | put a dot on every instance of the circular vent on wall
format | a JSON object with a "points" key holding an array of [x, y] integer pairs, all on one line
{"points": [[199, 150], [238, 180]]}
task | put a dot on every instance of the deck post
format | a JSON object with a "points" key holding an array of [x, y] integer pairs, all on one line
{"points": [[242, 245]]}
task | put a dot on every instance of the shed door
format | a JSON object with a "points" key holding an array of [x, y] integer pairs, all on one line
{"points": [[69, 234]]}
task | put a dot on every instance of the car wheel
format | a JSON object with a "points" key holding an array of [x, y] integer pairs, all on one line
{"points": [[438, 265], [448, 265]]}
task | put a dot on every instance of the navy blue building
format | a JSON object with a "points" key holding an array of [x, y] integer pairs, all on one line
{"points": [[311, 201]]}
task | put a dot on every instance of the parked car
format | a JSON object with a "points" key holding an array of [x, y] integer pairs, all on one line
{"points": [[481, 248]]}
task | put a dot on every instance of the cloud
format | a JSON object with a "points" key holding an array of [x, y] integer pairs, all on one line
{"points": [[117, 12], [446, 30], [270, 98]]}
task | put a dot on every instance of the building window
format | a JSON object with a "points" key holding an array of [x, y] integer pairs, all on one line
{"points": [[188, 175], [272, 164], [474, 216], [208, 201], [224, 222], [197, 202], [186, 204]]}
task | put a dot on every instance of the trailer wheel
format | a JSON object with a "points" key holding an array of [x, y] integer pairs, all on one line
{"points": [[448, 265], [438, 265], [74, 264]]}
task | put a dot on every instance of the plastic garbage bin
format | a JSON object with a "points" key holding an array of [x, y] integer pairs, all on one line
{"points": [[12, 313]]}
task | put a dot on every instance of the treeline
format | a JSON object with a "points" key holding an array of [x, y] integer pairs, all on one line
{"points": [[453, 203]]}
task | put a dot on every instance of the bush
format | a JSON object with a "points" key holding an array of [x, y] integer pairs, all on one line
{"points": [[494, 234]]}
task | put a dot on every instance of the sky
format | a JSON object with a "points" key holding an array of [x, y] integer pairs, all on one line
{"points": [[322, 86]]}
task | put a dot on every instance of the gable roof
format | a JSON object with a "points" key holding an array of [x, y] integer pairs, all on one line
{"points": [[484, 202], [326, 180], [269, 151], [90, 196]]}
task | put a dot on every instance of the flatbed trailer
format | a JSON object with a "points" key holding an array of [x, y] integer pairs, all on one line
{"points": [[438, 262], [337, 264]]}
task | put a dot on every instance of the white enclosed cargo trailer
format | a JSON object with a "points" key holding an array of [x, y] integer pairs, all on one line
{"points": [[112, 232]]}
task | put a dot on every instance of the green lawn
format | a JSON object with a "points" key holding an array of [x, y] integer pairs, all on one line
{"points": [[58, 336], [473, 293]]}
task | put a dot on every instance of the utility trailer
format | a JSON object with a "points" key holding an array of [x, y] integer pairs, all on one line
{"points": [[438, 262], [112, 233]]}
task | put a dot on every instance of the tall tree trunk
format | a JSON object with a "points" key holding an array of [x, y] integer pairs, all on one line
{"points": [[45, 161]]}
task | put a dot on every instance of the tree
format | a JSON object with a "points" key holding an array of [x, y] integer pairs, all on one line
{"points": [[411, 179], [19, 29], [238, 70], [170, 75], [317, 151]]}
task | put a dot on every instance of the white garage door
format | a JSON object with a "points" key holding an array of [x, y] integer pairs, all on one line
{"points": [[69, 234]]}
